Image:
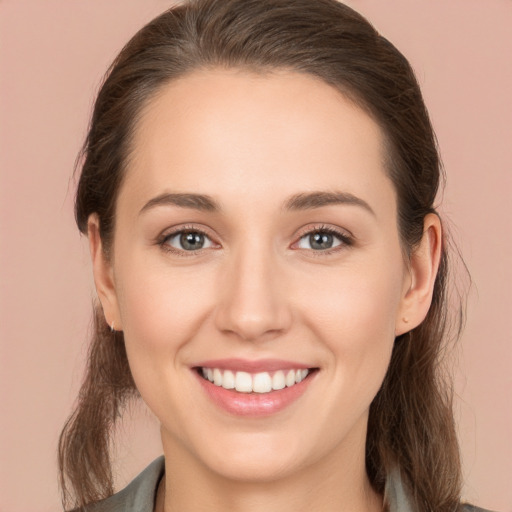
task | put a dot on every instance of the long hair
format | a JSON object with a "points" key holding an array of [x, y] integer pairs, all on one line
{"points": [[411, 423]]}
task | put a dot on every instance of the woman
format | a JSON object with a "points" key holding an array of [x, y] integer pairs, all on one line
{"points": [[258, 190]]}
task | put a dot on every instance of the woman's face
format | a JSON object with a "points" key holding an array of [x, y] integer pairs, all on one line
{"points": [[256, 235]]}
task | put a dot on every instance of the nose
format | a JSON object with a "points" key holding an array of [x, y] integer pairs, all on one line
{"points": [[253, 301]]}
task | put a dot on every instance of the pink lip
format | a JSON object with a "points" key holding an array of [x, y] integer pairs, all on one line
{"points": [[253, 404]]}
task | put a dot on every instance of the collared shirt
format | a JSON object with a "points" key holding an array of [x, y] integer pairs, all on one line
{"points": [[140, 494]]}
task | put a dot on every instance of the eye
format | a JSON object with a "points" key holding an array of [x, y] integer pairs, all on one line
{"points": [[323, 239], [187, 240]]}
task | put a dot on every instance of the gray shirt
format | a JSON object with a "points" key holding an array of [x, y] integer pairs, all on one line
{"points": [[140, 494]]}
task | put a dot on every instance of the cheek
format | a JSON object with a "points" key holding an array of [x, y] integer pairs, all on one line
{"points": [[161, 308], [356, 301], [354, 314], [162, 311]]}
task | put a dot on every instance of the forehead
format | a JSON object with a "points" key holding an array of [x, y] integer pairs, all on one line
{"points": [[249, 137]]}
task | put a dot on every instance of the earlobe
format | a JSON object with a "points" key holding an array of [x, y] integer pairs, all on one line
{"points": [[103, 274], [423, 267]]}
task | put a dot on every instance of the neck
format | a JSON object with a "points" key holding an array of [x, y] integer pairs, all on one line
{"points": [[325, 485]]}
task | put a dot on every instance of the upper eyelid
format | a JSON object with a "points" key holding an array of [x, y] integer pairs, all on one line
{"points": [[300, 232], [166, 233], [324, 227]]}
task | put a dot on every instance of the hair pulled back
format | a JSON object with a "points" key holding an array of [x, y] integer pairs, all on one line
{"points": [[411, 422]]}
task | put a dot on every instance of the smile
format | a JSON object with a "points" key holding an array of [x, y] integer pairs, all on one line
{"points": [[262, 382], [254, 388]]}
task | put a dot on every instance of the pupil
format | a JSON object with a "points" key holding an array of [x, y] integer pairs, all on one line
{"points": [[192, 241], [321, 240]]}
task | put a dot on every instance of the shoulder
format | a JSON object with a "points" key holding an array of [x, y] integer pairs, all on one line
{"points": [[471, 508], [138, 496], [398, 498]]}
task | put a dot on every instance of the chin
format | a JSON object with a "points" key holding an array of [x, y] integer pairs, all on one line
{"points": [[250, 457], [255, 468]]}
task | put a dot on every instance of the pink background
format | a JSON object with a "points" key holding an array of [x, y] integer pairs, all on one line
{"points": [[53, 54]]}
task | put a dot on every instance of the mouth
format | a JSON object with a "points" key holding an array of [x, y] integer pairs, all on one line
{"points": [[261, 382], [254, 389]]}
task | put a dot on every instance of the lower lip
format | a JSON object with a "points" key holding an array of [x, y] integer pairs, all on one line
{"points": [[254, 404]]}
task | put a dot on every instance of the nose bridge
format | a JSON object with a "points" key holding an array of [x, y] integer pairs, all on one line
{"points": [[252, 301]]}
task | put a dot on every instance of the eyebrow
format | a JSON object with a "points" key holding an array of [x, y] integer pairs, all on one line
{"points": [[311, 200], [194, 201], [302, 201]]}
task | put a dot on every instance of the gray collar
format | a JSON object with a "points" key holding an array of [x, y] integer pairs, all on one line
{"points": [[395, 494], [140, 494]]}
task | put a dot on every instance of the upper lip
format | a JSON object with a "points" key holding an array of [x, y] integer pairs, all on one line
{"points": [[252, 366]]}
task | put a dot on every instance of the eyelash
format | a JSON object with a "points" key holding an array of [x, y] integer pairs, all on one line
{"points": [[163, 239], [345, 239]]}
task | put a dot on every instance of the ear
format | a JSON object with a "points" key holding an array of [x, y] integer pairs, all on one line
{"points": [[103, 274], [419, 286]]}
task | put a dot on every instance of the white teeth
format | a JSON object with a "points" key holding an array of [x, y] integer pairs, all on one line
{"points": [[228, 380], [300, 375], [217, 377], [262, 382], [243, 382], [278, 380]]}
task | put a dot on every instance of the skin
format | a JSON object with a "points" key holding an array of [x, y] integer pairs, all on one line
{"points": [[258, 289]]}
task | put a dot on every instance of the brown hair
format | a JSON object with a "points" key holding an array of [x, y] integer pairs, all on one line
{"points": [[411, 422]]}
